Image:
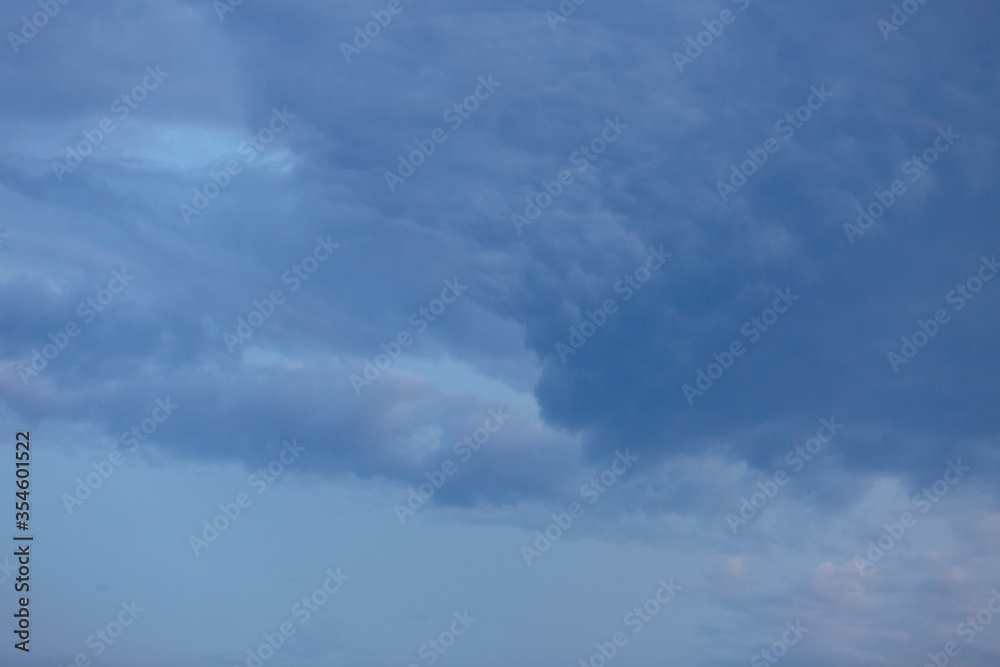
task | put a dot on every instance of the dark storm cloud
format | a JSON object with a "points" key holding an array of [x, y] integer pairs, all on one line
{"points": [[655, 186]]}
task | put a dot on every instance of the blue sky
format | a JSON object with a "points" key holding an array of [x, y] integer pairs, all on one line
{"points": [[544, 315]]}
